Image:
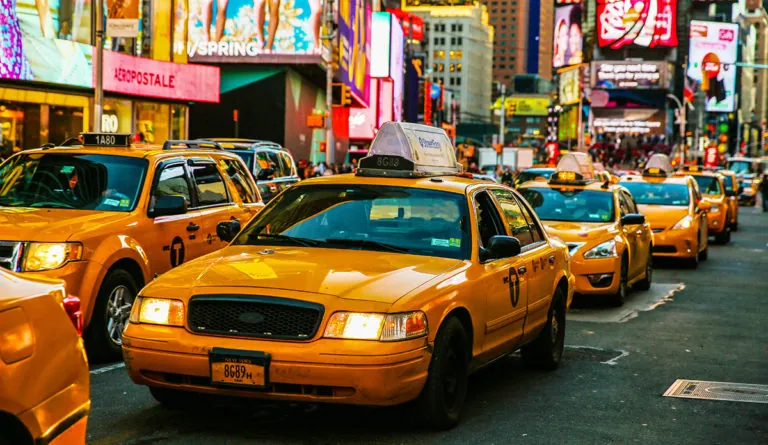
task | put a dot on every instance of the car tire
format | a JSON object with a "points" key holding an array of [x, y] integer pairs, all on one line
{"points": [[621, 296], [704, 254], [441, 400], [735, 225], [110, 315], [174, 398], [724, 237], [645, 283], [546, 351]]}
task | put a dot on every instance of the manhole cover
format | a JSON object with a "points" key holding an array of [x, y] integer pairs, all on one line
{"points": [[735, 392]]}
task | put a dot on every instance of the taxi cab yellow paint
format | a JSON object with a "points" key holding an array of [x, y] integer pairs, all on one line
{"points": [[733, 199], [691, 242], [321, 369], [719, 216], [44, 381], [114, 250], [612, 276]]}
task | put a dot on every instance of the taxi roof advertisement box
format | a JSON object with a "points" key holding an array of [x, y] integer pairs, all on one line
{"points": [[354, 47], [138, 76], [238, 39], [711, 57]]}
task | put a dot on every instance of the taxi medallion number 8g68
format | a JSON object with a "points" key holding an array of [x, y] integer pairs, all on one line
{"points": [[387, 162], [237, 372]]}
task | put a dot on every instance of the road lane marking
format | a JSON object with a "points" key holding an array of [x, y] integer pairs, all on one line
{"points": [[637, 301], [107, 368], [610, 362]]}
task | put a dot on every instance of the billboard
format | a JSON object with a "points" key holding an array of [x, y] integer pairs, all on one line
{"points": [[249, 31], [354, 47], [639, 121], [631, 75], [648, 24], [362, 120], [387, 56], [526, 106], [569, 86], [413, 25], [568, 38], [122, 18], [712, 53]]}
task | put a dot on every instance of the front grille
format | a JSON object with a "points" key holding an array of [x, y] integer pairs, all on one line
{"points": [[10, 254], [664, 249], [262, 317]]}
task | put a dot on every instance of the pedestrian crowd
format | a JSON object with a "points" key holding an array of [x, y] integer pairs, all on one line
{"points": [[308, 170], [631, 151]]}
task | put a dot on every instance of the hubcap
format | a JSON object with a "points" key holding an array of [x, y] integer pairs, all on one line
{"points": [[118, 310]]}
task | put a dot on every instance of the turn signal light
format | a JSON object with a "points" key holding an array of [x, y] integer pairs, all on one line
{"points": [[71, 306]]}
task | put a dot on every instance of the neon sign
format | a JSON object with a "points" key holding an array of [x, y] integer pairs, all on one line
{"points": [[649, 23]]}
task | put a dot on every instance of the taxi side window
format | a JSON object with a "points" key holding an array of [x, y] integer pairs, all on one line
{"points": [[624, 207], [536, 231], [286, 164], [239, 176], [209, 184], [173, 182], [488, 219], [518, 224], [274, 162]]}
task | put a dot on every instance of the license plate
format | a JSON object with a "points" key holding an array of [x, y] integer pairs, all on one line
{"points": [[236, 368]]}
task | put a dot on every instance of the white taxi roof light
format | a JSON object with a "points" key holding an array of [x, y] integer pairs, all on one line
{"points": [[573, 168], [658, 165], [410, 150]]}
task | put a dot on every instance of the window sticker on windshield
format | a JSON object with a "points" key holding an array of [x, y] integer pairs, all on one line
{"points": [[67, 169], [441, 242], [111, 202], [455, 242], [125, 203]]}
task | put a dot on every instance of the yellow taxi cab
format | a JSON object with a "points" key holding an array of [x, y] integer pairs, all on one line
{"points": [[733, 190], [44, 380], [107, 217], [713, 189], [374, 288], [609, 240], [675, 209]]}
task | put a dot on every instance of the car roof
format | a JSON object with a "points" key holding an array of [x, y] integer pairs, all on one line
{"points": [[448, 183], [678, 179], [596, 185], [245, 143], [134, 151]]}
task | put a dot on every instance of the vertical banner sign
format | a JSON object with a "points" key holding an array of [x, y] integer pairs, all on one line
{"points": [[354, 47], [146, 28], [123, 18], [414, 71]]}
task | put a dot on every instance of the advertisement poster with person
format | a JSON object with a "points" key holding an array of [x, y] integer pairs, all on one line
{"points": [[568, 37], [250, 30], [711, 62]]}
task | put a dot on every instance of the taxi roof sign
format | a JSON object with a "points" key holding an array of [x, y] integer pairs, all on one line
{"points": [[106, 139], [658, 165], [573, 168], [410, 150]]}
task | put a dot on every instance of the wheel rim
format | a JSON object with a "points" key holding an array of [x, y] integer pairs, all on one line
{"points": [[555, 326], [557, 331], [451, 380], [118, 310]]}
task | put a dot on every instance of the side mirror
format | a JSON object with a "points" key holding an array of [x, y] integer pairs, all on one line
{"points": [[169, 205], [228, 230], [730, 193], [705, 206], [265, 173], [503, 247], [633, 219]]}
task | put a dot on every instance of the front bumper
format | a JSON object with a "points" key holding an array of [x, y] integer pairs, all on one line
{"points": [[675, 243], [584, 269], [324, 370]]}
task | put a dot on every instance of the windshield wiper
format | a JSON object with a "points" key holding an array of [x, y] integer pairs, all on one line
{"points": [[365, 243], [300, 241]]}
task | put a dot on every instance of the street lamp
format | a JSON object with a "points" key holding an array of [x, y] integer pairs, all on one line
{"points": [[681, 111], [503, 110]]}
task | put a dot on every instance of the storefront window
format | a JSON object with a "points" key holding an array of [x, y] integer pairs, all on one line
{"points": [[117, 116], [11, 129], [152, 122], [179, 122], [64, 123]]}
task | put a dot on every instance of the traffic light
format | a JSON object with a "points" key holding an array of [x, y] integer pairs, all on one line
{"points": [[323, 144], [335, 57], [341, 95], [511, 110]]}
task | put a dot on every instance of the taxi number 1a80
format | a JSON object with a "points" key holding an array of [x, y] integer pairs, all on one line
{"points": [[239, 368]]}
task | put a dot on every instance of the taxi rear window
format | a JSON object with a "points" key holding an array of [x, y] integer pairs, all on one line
{"points": [[72, 181], [571, 205], [658, 194], [396, 219], [709, 185]]}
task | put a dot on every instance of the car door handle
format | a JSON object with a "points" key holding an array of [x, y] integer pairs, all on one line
{"points": [[192, 227], [522, 270]]}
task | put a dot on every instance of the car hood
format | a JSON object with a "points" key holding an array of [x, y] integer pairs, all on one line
{"points": [[51, 225], [578, 231], [662, 217], [351, 274]]}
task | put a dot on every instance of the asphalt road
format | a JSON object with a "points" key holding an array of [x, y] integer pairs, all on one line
{"points": [[707, 324]]}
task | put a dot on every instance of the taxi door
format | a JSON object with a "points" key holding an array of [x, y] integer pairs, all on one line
{"points": [[699, 215], [174, 239], [214, 201], [537, 266], [632, 233], [501, 282]]}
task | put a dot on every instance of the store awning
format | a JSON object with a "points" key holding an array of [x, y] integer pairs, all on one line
{"points": [[233, 78]]}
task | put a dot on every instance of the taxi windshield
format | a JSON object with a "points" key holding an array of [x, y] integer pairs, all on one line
{"points": [[531, 175], [709, 185], [571, 205], [71, 181], [740, 167], [658, 194], [365, 217]]}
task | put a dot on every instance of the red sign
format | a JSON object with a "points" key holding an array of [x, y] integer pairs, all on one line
{"points": [[711, 157], [137, 76], [413, 25], [649, 24]]}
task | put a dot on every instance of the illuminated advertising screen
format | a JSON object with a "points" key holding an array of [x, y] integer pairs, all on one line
{"points": [[569, 90], [381, 44], [711, 57], [648, 24], [362, 121], [354, 47], [617, 120], [630, 75], [250, 31], [568, 37]]}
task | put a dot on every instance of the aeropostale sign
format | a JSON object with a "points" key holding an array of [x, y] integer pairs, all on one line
{"points": [[137, 76]]}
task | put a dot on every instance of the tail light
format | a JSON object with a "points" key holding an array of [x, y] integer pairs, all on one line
{"points": [[72, 308]]}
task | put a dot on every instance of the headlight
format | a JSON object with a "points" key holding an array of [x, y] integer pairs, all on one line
{"points": [[49, 256], [684, 223], [158, 311], [384, 327], [603, 250]]}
